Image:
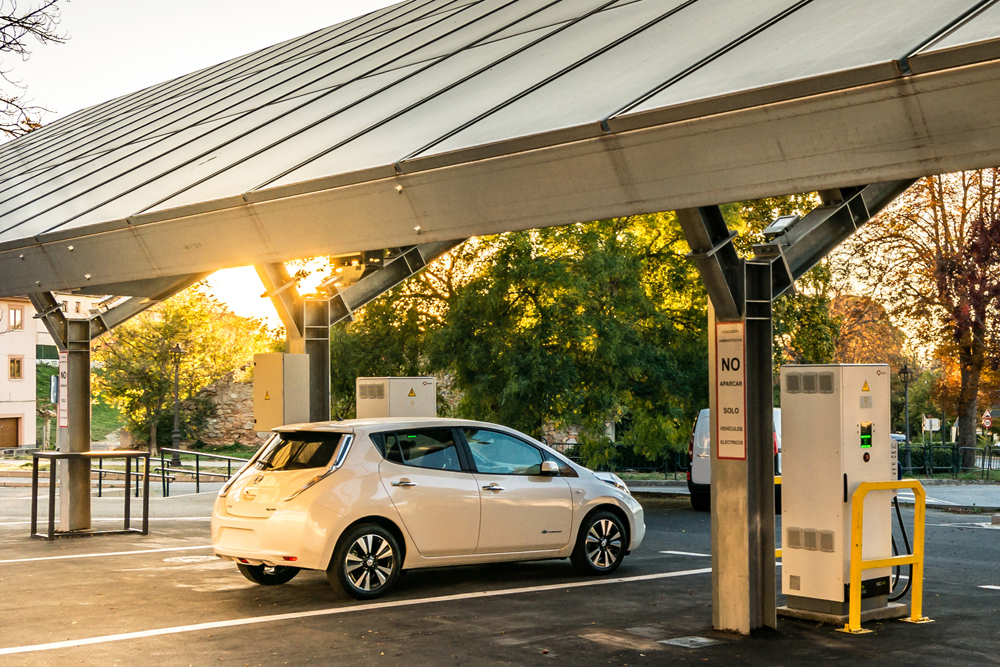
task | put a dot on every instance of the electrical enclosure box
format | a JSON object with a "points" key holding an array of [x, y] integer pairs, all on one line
{"points": [[396, 397], [280, 390], [836, 434]]}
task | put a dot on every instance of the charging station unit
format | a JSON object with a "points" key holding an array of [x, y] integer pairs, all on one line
{"points": [[397, 397], [280, 390], [836, 434]]}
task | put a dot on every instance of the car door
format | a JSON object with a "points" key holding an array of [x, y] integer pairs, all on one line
{"points": [[437, 498], [521, 509]]}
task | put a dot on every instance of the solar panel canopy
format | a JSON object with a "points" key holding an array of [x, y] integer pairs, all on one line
{"points": [[442, 119]]}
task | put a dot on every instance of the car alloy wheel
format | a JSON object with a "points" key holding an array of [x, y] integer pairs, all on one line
{"points": [[369, 563], [366, 562], [601, 544]]}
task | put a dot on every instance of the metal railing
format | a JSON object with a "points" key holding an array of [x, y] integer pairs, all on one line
{"points": [[928, 460], [916, 559], [102, 471], [167, 472]]}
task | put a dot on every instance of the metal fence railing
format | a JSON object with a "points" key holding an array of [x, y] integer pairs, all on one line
{"points": [[928, 460], [169, 473], [625, 460]]}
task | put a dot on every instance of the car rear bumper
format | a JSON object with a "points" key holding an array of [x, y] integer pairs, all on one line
{"points": [[269, 540]]}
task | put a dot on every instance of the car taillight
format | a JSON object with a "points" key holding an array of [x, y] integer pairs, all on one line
{"points": [[775, 435]]}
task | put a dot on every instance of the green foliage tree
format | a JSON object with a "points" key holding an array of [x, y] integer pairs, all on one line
{"points": [[136, 372]]}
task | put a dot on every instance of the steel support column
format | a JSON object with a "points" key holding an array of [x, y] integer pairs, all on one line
{"points": [[74, 474], [760, 446], [316, 321]]}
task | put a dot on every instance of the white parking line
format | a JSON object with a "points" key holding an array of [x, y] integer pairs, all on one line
{"points": [[197, 627], [108, 553], [992, 588], [135, 521], [685, 553]]}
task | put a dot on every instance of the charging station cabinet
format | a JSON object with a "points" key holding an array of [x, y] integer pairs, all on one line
{"points": [[836, 434], [396, 397], [280, 390]]}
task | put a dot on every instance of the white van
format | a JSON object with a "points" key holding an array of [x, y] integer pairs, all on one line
{"points": [[699, 475]]}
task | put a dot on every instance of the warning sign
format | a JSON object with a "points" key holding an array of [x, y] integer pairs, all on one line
{"points": [[63, 390], [267, 396], [987, 419], [730, 391], [412, 393], [865, 388]]}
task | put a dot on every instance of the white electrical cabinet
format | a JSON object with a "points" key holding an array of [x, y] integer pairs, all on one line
{"points": [[835, 433], [396, 397], [280, 390]]}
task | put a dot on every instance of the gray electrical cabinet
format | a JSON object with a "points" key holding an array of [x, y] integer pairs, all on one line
{"points": [[835, 435], [280, 390], [396, 397]]}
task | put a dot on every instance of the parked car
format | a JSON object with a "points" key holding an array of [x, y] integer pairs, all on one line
{"points": [[365, 499], [699, 476]]}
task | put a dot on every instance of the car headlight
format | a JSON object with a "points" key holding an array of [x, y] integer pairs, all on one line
{"points": [[616, 481]]}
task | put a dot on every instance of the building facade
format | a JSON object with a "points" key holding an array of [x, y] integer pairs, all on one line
{"points": [[18, 337]]}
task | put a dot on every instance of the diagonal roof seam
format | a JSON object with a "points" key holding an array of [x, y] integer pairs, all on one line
{"points": [[168, 102], [79, 178]]}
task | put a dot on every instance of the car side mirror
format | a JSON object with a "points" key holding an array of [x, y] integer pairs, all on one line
{"points": [[550, 468]]}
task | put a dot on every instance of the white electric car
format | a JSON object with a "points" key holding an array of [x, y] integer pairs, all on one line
{"points": [[364, 499]]}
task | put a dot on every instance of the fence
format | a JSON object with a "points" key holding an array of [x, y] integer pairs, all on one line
{"points": [[626, 460], [166, 471], [931, 459]]}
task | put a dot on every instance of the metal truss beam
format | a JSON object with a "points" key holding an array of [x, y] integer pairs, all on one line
{"points": [[285, 296], [807, 241], [720, 266], [373, 284]]}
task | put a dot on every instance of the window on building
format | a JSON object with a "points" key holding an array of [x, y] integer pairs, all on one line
{"points": [[16, 368], [14, 319], [76, 309]]}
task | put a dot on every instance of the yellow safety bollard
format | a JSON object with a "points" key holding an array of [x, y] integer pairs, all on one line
{"points": [[916, 558]]}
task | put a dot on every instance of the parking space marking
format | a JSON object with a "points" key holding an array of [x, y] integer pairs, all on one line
{"points": [[685, 553], [992, 588], [214, 625], [109, 553]]}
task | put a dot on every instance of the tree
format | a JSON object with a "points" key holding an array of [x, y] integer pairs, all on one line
{"points": [[932, 257], [135, 370], [19, 27]]}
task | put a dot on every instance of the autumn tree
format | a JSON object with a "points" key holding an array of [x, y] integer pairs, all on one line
{"points": [[136, 373], [21, 25], [933, 259]]}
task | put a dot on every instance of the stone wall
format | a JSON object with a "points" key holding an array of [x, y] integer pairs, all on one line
{"points": [[233, 418]]}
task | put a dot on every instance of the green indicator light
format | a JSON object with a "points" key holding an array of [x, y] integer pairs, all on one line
{"points": [[866, 435]]}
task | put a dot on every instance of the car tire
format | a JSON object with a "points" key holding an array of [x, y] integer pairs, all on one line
{"points": [[600, 545], [366, 562], [701, 502], [266, 575]]}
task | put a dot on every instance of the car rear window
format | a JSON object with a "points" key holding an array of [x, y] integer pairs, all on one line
{"points": [[299, 451]]}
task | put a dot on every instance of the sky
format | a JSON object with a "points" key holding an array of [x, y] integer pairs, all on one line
{"points": [[117, 47]]}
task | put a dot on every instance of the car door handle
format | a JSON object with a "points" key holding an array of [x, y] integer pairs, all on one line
{"points": [[404, 482], [494, 487]]}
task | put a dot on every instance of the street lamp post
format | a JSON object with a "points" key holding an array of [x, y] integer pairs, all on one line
{"points": [[175, 355], [906, 375]]}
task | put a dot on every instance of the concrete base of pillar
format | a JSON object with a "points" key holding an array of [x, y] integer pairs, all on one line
{"points": [[893, 610], [996, 520]]}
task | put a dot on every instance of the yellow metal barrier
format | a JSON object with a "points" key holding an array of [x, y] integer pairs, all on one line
{"points": [[916, 559], [777, 482]]}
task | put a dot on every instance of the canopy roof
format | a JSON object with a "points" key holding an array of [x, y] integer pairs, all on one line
{"points": [[441, 119]]}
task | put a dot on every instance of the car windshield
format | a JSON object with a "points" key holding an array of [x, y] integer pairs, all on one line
{"points": [[299, 451]]}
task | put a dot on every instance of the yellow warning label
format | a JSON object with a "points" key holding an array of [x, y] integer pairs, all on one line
{"points": [[267, 396], [412, 393], [865, 388]]}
